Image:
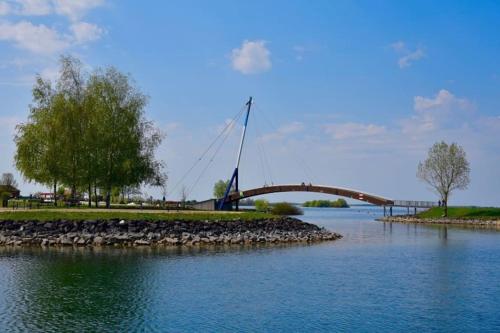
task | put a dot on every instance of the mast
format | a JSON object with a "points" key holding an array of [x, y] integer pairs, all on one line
{"points": [[234, 177]]}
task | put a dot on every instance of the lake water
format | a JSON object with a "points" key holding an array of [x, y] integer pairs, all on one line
{"points": [[378, 278]]}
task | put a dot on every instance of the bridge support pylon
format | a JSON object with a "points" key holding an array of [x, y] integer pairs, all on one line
{"points": [[234, 177]]}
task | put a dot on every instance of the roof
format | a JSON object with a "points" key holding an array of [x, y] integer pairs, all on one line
{"points": [[8, 188]]}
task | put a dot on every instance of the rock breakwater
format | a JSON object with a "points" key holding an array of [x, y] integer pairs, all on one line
{"points": [[159, 233], [485, 223]]}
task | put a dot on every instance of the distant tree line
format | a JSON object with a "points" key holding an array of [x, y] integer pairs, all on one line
{"points": [[89, 132], [339, 203]]}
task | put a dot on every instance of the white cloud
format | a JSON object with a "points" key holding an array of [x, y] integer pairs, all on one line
{"points": [[4, 8], [72, 9], [407, 57], [283, 131], [75, 10], [432, 113], [44, 40], [84, 32], [354, 130], [291, 128], [443, 99], [34, 7], [253, 57], [407, 60], [35, 38]]}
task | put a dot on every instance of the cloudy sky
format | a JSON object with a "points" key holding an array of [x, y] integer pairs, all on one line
{"points": [[347, 93]]}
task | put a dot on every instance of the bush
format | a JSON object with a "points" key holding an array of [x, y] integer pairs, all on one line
{"points": [[261, 205], [4, 198], [285, 208]]}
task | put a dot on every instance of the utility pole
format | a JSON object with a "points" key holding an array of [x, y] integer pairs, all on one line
{"points": [[234, 177]]}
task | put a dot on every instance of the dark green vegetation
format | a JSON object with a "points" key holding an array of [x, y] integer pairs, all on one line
{"points": [[8, 189], [463, 212], [261, 205], [339, 203], [285, 208], [49, 215], [88, 132]]}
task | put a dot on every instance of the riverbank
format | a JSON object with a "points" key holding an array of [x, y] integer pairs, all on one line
{"points": [[469, 222], [172, 232], [483, 217], [464, 213]]}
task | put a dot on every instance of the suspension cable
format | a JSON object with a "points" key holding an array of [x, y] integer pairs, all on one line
{"points": [[202, 156], [259, 152], [221, 144], [261, 146], [305, 167]]}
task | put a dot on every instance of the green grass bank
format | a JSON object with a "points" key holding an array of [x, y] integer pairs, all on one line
{"points": [[72, 215], [464, 213]]}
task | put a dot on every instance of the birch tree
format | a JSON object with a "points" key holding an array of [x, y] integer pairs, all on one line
{"points": [[446, 169]]}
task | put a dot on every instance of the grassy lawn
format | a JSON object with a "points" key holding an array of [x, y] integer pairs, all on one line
{"points": [[75, 214], [463, 212]]}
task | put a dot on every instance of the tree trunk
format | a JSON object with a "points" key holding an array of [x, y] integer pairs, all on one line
{"points": [[108, 198], [90, 195], [73, 194], [95, 195], [445, 205], [55, 193]]}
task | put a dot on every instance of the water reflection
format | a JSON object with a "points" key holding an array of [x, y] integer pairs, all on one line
{"points": [[443, 233], [379, 277], [83, 289]]}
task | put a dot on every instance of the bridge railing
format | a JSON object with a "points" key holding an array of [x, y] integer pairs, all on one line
{"points": [[417, 204]]}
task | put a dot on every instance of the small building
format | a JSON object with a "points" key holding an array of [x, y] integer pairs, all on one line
{"points": [[14, 192], [45, 196]]}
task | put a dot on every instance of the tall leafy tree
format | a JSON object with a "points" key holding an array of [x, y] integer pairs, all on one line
{"points": [[446, 169], [70, 98], [126, 140], [88, 132], [39, 157]]}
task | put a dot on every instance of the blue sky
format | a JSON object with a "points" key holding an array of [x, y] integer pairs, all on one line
{"points": [[355, 91]]}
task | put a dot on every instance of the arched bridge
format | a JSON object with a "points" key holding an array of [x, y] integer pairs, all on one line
{"points": [[344, 192], [213, 204]]}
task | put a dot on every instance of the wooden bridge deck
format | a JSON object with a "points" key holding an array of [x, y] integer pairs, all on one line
{"points": [[344, 192]]}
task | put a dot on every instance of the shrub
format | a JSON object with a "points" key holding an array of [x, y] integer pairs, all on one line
{"points": [[285, 208], [4, 198], [261, 205]]}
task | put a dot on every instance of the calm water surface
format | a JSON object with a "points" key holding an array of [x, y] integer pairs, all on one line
{"points": [[379, 277]]}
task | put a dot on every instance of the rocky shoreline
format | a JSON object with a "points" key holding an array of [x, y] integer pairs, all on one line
{"points": [[122, 233], [442, 220]]}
